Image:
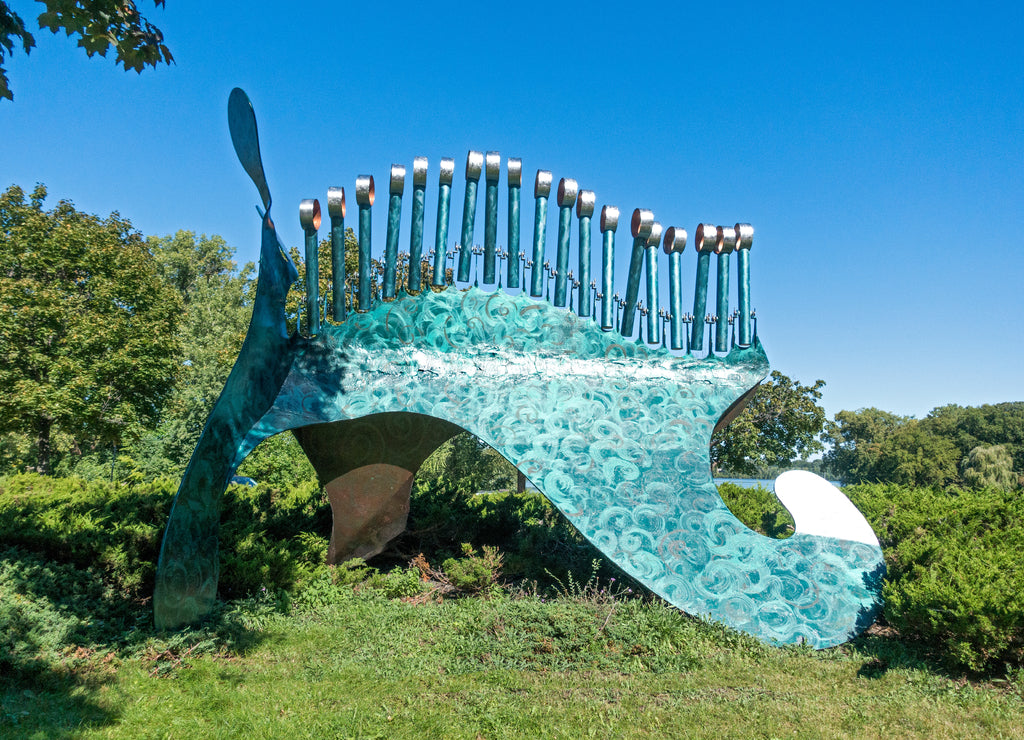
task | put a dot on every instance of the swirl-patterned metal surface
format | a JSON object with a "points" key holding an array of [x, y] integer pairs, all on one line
{"points": [[614, 433]]}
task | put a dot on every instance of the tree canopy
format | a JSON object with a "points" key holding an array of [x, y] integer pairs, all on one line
{"points": [[88, 343], [216, 300], [781, 421], [953, 445], [98, 25]]}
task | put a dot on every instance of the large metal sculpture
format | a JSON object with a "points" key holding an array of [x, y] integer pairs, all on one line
{"points": [[614, 432]]}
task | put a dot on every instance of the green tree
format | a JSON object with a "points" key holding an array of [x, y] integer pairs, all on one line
{"points": [[98, 25], [871, 445], [915, 456], [216, 298], [982, 426], [88, 343], [989, 466], [856, 439], [780, 422]]}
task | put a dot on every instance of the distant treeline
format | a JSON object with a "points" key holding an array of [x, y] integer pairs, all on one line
{"points": [[973, 447], [953, 446]]}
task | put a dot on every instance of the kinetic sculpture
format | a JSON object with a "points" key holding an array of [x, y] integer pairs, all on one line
{"points": [[614, 432]]}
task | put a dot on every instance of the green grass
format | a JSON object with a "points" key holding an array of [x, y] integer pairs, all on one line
{"points": [[503, 666]]}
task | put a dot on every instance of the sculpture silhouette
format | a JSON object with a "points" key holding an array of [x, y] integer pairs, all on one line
{"points": [[615, 433]]}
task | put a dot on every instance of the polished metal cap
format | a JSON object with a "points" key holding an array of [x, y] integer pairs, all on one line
{"points": [[474, 165], [609, 218], [705, 238], [642, 222], [675, 240], [309, 214], [567, 189], [364, 190], [397, 179], [744, 236], [585, 204], [492, 166], [654, 239], [419, 172], [515, 172], [336, 202], [447, 171], [726, 242], [542, 185]]}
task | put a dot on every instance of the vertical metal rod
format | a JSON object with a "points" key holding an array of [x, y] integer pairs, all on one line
{"points": [[394, 222], [609, 222], [444, 197], [675, 243], [474, 165], [704, 242], [744, 239], [640, 227], [419, 197], [364, 198], [566, 199], [492, 170], [336, 210], [653, 299], [541, 191], [514, 169], [725, 245], [584, 212], [309, 217]]}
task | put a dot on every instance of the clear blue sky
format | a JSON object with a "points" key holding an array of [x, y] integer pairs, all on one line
{"points": [[876, 148]]}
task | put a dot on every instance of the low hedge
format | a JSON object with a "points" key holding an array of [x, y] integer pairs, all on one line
{"points": [[77, 558]]}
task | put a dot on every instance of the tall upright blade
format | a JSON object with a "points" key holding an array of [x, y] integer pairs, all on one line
{"points": [[242, 124]]}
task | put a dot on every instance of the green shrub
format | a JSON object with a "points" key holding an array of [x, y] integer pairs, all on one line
{"points": [[758, 508], [271, 537], [396, 583], [112, 528], [534, 538], [955, 580], [474, 573]]}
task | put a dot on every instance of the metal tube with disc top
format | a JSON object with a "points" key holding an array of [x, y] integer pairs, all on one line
{"points": [[336, 210], [444, 197], [474, 166], [419, 197], [492, 170], [394, 222], [704, 242], [653, 299], [744, 239], [364, 199], [609, 222], [514, 169], [640, 226], [724, 246], [584, 212], [541, 191], [566, 198], [309, 217], [675, 243]]}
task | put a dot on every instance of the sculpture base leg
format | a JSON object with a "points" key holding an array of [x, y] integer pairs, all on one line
{"points": [[370, 506], [370, 463]]}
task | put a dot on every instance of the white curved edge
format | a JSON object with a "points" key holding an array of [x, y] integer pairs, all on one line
{"points": [[819, 508]]}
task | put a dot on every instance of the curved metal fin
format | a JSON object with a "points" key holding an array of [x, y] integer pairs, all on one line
{"points": [[242, 123]]}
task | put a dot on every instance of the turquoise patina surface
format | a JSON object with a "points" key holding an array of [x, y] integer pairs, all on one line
{"points": [[614, 433]]}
